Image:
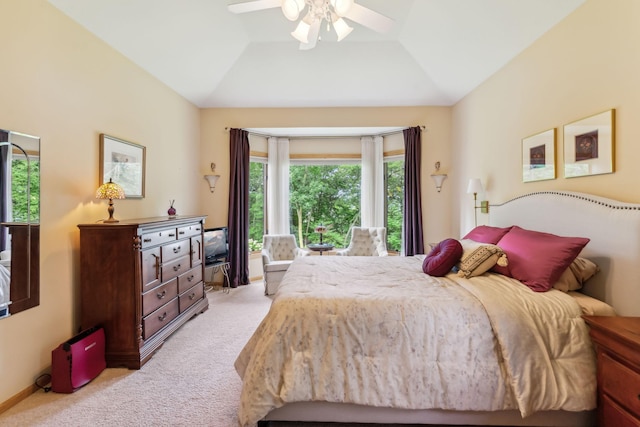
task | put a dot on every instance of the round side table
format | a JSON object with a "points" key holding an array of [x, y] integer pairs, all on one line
{"points": [[324, 247]]}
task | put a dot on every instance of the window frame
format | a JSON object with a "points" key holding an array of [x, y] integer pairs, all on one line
{"points": [[330, 159]]}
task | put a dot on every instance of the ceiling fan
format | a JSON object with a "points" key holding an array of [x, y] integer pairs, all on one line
{"points": [[317, 11]]}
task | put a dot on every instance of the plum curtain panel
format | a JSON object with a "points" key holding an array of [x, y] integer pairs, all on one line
{"points": [[278, 186], [238, 218], [412, 228], [372, 182]]}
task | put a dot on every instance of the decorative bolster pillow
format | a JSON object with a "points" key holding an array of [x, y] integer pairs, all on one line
{"points": [[478, 257], [442, 258]]}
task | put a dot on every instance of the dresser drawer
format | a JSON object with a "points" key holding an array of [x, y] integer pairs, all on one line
{"points": [[176, 250], [196, 250], [158, 237], [190, 278], [621, 383], [612, 415], [150, 268], [189, 230], [156, 297], [160, 318], [175, 268], [192, 296]]}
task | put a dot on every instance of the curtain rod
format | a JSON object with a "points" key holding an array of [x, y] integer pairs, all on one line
{"points": [[422, 127]]}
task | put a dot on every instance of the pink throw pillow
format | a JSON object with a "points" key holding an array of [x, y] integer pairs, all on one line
{"points": [[442, 258], [538, 259], [487, 234]]}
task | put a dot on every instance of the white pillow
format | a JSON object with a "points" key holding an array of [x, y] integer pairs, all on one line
{"points": [[478, 258]]}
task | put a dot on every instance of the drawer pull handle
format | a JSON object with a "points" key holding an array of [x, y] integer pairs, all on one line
{"points": [[158, 265], [192, 276], [162, 294], [192, 296], [182, 232], [176, 250], [164, 316], [147, 240], [176, 267], [171, 234]]}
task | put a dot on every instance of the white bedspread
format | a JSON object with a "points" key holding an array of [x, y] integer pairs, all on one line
{"points": [[378, 331]]}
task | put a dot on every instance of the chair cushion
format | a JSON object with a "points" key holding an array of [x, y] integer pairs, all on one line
{"points": [[367, 241], [277, 266], [280, 246]]}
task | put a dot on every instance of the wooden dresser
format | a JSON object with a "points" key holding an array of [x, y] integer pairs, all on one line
{"points": [[141, 280], [617, 341]]}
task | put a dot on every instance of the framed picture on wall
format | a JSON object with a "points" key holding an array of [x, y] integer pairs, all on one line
{"points": [[539, 156], [589, 145], [124, 163]]}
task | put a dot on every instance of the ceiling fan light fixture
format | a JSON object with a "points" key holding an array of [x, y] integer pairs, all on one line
{"points": [[341, 7], [342, 28], [337, 13], [301, 32], [291, 9]]}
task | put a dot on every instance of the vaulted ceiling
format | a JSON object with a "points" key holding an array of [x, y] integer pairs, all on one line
{"points": [[436, 52]]}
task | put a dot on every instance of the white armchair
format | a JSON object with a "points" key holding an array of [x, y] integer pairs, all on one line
{"points": [[5, 258], [278, 252], [366, 241]]}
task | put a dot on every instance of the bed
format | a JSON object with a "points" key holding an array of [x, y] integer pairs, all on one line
{"points": [[376, 340]]}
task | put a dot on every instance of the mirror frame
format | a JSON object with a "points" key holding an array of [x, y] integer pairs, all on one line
{"points": [[25, 239]]}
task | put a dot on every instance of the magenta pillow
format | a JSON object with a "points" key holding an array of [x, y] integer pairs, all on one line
{"points": [[538, 259], [442, 258], [487, 234]]}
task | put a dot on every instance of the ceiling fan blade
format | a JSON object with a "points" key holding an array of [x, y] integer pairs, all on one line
{"points": [[252, 6], [314, 31], [369, 18]]}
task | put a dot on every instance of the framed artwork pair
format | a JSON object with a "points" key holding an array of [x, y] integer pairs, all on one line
{"points": [[588, 149]]}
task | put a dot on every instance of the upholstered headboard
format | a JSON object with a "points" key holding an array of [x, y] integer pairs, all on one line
{"points": [[612, 226]]}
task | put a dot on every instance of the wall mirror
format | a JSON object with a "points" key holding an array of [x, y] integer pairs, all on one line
{"points": [[19, 222]]}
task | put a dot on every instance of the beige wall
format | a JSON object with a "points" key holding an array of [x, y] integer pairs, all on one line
{"points": [[587, 64], [62, 84], [436, 147]]}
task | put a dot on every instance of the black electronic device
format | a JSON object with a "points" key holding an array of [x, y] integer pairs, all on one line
{"points": [[216, 245]]}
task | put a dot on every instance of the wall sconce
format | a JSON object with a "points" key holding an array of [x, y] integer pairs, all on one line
{"points": [[475, 187], [212, 179], [438, 178]]}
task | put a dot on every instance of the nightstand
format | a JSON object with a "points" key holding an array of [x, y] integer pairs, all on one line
{"points": [[617, 341]]}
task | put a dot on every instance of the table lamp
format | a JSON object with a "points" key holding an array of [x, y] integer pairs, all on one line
{"points": [[110, 190]]}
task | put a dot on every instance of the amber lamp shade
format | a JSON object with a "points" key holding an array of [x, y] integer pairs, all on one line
{"points": [[110, 190]]}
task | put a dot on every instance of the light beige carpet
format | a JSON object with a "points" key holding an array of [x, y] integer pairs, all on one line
{"points": [[190, 381]]}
